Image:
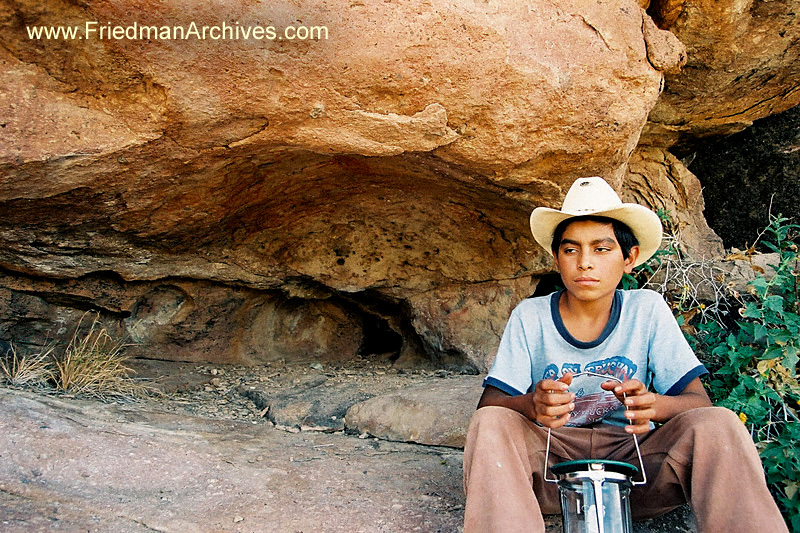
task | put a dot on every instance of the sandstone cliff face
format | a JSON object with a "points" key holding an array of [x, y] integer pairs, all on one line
{"points": [[240, 200], [742, 66]]}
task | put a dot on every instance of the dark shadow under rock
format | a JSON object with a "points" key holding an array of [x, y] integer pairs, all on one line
{"points": [[747, 175]]}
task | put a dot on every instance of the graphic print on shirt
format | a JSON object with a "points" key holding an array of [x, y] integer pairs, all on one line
{"points": [[592, 403]]}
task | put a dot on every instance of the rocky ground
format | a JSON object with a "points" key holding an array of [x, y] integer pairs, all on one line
{"points": [[292, 397], [231, 449]]}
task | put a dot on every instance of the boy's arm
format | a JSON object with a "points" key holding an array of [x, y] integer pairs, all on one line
{"points": [[644, 406], [549, 404], [694, 395]]}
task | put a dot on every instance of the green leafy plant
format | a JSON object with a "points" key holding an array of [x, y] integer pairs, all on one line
{"points": [[749, 342], [754, 365], [645, 271]]}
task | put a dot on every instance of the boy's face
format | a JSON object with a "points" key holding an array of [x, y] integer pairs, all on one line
{"points": [[590, 260]]}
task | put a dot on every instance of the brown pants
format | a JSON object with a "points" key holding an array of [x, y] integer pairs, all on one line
{"points": [[704, 456]]}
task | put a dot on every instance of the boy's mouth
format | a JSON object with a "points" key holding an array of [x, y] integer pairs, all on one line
{"points": [[583, 280]]}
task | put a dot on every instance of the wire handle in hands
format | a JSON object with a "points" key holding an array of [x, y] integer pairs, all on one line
{"points": [[635, 439]]}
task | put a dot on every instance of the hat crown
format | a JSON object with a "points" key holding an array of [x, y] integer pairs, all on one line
{"points": [[590, 195], [594, 196]]}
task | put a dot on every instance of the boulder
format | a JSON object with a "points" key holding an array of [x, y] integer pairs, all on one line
{"points": [[182, 320], [436, 413], [467, 321], [463, 80], [658, 179]]}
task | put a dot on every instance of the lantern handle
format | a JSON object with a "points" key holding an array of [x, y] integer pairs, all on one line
{"points": [[635, 439]]}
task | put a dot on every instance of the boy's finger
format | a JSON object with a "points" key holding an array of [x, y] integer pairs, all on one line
{"points": [[555, 398], [560, 421], [640, 401], [553, 423], [551, 385], [639, 427], [640, 416], [554, 416], [557, 410], [632, 386]]}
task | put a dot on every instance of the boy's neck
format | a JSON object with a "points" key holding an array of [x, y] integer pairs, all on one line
{"points": [[585, 320]]}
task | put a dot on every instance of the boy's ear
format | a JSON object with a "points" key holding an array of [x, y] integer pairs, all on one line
{"points": [[631, 259]]}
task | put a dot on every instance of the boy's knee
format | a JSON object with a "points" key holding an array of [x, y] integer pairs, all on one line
{"points": [[494, 419], [714, 417], [714, 422], [494, 424]]}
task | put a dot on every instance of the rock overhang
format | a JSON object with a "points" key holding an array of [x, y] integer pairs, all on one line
{"points": [[396, 160]]}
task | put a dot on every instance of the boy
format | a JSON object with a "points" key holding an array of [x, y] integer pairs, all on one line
{"points": [[701, 454]]}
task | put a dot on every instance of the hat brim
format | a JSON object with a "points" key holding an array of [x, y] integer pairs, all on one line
{"points": [[644, 223]]}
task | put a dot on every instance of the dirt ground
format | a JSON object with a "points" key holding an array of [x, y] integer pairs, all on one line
{"points": [[207, 455], [74, 465], [273, 393]]}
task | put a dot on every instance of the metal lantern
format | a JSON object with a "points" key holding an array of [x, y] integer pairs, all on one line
{"points": [[595, 493]]}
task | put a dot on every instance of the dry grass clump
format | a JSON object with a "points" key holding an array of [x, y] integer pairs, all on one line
{"points": [[27, 370], [92, 364]]}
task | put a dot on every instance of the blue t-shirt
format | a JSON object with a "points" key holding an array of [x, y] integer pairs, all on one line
{"points": [[642, 340]]}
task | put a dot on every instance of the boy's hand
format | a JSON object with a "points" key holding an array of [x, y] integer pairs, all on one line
{"points": [[638, 402], [552, 401]]}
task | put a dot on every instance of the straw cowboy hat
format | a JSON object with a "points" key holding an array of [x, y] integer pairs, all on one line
{"points": [[593, 196]]}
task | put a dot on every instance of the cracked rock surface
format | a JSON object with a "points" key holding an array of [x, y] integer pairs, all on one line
{"points": [[70, 465]]}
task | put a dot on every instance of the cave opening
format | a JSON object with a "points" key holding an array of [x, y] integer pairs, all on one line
{"points": [[379, 339]]}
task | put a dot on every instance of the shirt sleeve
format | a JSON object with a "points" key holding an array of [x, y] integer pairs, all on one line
{"points": [[511, 370], [672, 363]]}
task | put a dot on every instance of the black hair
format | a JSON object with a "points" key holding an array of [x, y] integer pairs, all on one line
{"points": [[625, 237]]}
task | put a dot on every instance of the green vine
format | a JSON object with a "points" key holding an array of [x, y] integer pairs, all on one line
{"points": [[754, 366]]}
